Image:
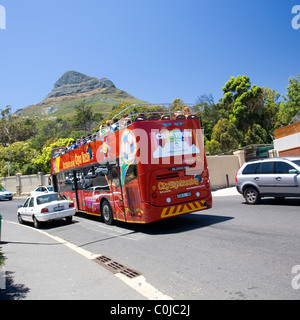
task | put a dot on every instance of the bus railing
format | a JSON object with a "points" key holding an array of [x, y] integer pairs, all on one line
{"points": [[170, 110], [134, 113]]}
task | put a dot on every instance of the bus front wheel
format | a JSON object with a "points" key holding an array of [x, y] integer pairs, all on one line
{"points": [[106, 212]]}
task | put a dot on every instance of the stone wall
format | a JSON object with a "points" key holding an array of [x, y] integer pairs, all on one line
{"points": [[23, 185]]}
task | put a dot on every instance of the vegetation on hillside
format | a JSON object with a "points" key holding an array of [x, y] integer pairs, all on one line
{"points": [[246, 114]]}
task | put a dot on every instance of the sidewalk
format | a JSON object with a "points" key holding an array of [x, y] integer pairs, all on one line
{"points": [[38, 267], [225, 192]]}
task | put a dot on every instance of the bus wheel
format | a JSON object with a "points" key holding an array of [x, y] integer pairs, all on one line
{"points": [[107, 212]]}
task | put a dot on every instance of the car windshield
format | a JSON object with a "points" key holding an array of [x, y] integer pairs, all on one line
{"points": [[49, 198], [2, 189], [297, 162]]}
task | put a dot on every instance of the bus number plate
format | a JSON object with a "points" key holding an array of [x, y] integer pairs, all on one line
{"points": [[183, 195]]}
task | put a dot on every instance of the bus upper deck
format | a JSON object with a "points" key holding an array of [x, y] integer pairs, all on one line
{"points": [[130, 115]]}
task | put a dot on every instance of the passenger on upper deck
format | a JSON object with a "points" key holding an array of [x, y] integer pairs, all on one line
{"points": [[72, 146], [125, 121], [187, 111], [104, 129]]}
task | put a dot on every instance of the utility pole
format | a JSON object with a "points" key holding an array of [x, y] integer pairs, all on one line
{"points": [[8, 167]]}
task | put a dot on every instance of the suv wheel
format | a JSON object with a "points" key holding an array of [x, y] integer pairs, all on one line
{"points": [[251, 195]]}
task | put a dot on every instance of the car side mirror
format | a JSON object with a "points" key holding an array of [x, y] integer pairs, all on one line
{"points": [[20, 206], [294, 171]]}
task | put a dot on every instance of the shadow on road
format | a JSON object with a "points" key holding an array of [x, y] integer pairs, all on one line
{"points": [[173, 225], [289, 202], [178, 224], [13, 291]]}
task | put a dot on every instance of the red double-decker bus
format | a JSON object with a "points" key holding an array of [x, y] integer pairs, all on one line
{"points": [[145, 167]]}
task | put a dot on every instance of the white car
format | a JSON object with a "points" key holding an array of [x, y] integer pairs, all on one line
{"points": [[46, 207], [5, 194], [41, 190]]}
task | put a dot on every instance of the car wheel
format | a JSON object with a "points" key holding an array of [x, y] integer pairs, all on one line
{"points": [[21, 221], [251, 195], [106, 212], [36, 223], [69, 219]]}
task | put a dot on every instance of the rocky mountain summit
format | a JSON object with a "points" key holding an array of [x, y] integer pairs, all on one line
{"points": [[72, 83], [74, 88]]}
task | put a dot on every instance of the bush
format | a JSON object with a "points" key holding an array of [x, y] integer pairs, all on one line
{"points": [[1, 258]]}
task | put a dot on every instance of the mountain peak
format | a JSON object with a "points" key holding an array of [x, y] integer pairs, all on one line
{"points": [[73, 82], [73, 88], [71, 77]]}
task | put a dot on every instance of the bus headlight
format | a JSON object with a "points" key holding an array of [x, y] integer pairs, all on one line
{"points": [[198, 194], [168, 200]]}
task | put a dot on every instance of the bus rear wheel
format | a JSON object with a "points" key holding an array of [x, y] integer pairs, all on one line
{"points": [[106, 212]]}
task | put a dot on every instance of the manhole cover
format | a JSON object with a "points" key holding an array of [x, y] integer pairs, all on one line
{"points": [[116, 267]]}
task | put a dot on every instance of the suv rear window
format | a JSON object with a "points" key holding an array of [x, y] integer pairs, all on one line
{"points": [[251, 168]]}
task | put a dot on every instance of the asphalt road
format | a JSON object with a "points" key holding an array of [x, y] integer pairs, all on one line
{"points": [[232, 251]]}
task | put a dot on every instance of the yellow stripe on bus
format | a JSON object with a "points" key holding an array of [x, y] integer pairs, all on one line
{"points": [[177, 210]]}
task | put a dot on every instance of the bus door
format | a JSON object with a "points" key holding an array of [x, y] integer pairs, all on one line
{"points": [[133, 203], [117, 192]]}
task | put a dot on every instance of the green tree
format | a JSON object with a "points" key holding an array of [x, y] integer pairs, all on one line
{"points": [[208, 113], [18, 154], [232, 91], [251, 109], [14, 128], [242, 103], [177, 104], [257, 135], [227, 135], [84, 118], [49, 129], [43, 161], [289, 108], [212, 147], [270, 113]]}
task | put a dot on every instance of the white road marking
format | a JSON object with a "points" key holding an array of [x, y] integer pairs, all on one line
{"points": [[138, 284]]}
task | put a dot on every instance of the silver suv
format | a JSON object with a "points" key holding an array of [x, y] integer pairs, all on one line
{"points": [[272, 177]]}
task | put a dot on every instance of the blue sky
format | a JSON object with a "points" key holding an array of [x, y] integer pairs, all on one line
{"points": [[156, 50]]}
